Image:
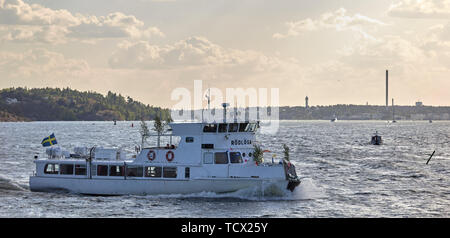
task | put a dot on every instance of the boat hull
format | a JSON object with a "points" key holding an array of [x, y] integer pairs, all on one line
{"points": [[150, 187]]}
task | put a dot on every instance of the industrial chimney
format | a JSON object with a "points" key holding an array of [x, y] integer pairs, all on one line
{"points": [[387, 89]]}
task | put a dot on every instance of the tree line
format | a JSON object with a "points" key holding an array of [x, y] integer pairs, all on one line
{"points": [[55, 104]]}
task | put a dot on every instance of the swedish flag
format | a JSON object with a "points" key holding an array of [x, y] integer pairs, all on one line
{"points": [[49, 141]]}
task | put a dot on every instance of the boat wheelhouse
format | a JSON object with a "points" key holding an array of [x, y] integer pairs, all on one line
{"points": [[211, 157]]}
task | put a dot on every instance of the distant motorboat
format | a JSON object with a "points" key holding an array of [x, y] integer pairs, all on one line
{"points": [[334, 119], [376, 139]]}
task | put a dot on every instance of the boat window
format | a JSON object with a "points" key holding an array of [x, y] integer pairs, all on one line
{"points": [[223, 127], [251, 127], [51, 169], [233, 127], [66, 169], [153, 171], [235, 157], [208, 158], [170, 172], [134, 171], [210, 128], [189, 139], [220, 158], [243, 127], [102, 170], [80, 169], [187, 172], [115, 170]]}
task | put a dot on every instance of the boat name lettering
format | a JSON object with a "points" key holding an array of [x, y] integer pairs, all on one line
{"points": [[241, 142]]}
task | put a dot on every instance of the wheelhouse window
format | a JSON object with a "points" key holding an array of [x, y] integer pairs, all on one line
{"points": [[51, 169], [235, 157], [243, 127], [102, 170], [251, 127], [135, 171], [220, 158], [233, 127], [153, 171], [115, 170], [66, 169], [210, 128], [223, 127], [80, 169], [189, 139], [170, 172]]}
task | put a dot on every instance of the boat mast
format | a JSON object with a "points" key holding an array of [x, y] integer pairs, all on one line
{"points": [[208, 96], [225, 105]]}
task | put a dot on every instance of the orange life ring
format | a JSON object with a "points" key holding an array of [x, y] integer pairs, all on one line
{"points": [[151, 155], [171, 157]]}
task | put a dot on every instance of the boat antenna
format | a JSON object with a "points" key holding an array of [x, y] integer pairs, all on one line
{"points": [[209, 99], [235, 111], [225, 105]]}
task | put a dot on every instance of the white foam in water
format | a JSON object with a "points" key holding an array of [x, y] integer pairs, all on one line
{"points": [[8, 184], [306, 190]]}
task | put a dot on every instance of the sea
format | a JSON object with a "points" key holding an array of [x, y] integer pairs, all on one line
{"points": [[342, 174]]}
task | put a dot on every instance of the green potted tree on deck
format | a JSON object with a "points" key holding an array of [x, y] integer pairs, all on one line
{"points": [[257, 154]]}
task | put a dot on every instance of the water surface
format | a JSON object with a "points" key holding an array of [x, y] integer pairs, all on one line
{"points": [[342, 174]]}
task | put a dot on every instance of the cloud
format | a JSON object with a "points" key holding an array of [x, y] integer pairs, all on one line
{"points": [[389, 51], [338, 20], [16, 12], [40, 63], [114, 25], [33, 22], [34, 34], [420, 9], [192, 52]]}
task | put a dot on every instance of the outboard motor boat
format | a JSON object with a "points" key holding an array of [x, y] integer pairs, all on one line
{"points": [[376, 139]]}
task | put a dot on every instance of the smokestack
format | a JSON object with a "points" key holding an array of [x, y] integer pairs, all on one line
{"points": [[387, 89]]}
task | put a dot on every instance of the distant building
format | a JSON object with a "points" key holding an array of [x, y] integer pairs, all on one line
{"points": [[11, 100], [306, 102], [419, 104]]}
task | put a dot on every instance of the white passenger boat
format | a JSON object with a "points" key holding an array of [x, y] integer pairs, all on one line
{"points": [[209, 157]]}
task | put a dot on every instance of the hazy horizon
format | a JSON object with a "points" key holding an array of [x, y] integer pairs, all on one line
{"points": [[334, 52]]}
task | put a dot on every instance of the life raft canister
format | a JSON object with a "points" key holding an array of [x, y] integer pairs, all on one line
{"points": [[170, 156], [151, 155]]}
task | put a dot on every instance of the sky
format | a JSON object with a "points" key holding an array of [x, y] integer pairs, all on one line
{"points": [[334, 52]]}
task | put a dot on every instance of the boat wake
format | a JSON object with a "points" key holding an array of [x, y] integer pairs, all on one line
{"points": [[9, 185], [307, 190]]}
